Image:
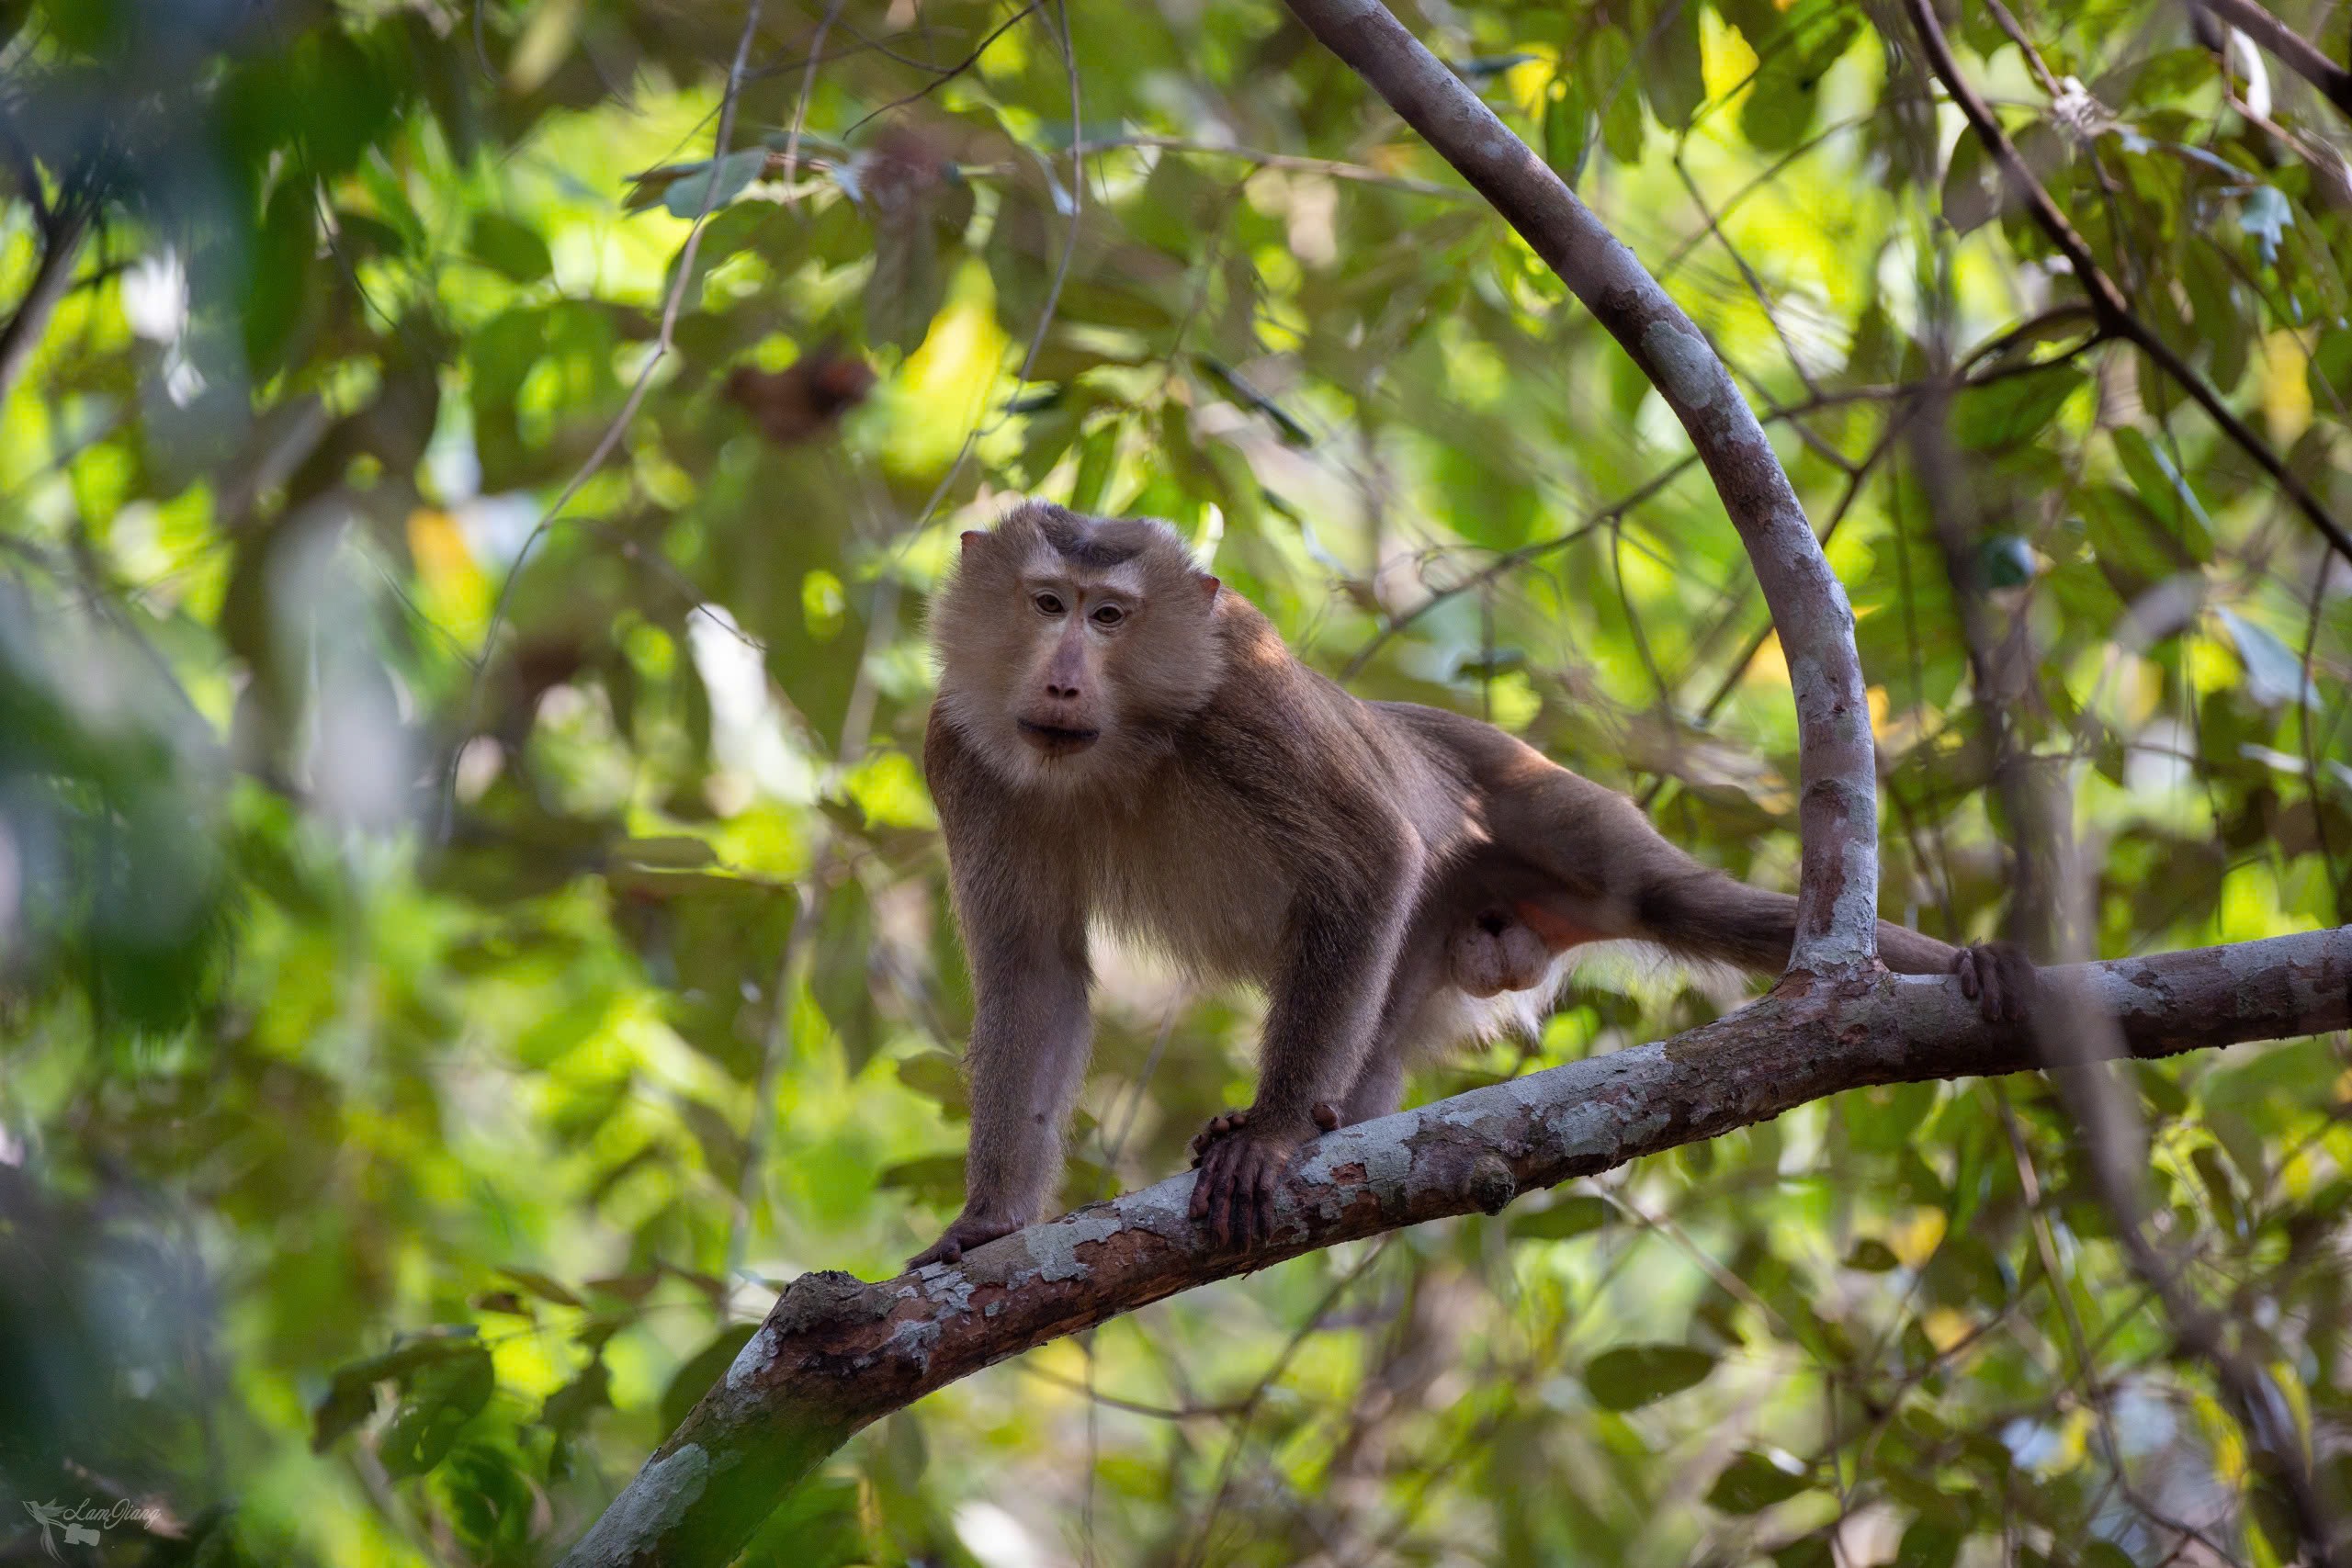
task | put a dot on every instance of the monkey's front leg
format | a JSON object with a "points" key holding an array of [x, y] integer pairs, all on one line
{"points": [[1031, 1036], [1338, 959]]}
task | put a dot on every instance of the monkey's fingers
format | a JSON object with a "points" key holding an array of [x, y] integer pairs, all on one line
{"points": [[1231, 1175], [1268, 1173], [966, 1232], [1963, 963], [1204, 1185], [1999, 978], [2020, 983], [1990, 999], [1219, 1125], [1223, 1125], [1213, 1195], [946, 1249]]}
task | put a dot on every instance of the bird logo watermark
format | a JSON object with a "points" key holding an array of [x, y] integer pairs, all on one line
{"points": [[81, 1524]]}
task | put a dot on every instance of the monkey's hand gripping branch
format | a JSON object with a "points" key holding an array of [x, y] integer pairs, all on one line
{"points": [[837, 1353]]}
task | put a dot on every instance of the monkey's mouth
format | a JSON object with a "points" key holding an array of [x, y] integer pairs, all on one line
{"points": [[1055, 741]]}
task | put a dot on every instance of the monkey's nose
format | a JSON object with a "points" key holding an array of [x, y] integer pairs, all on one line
{"points": [[1061, 693]]}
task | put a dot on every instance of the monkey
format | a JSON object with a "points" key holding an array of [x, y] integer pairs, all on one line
{"points": [[1120, 742]]}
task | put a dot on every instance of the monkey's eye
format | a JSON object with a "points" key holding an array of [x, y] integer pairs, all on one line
{"points": [[1109, 615], [1047, 603]]}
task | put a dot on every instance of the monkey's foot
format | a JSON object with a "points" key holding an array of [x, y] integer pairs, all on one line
{"points": [[2000, 978], [970, 1230], [1240, 1167]]}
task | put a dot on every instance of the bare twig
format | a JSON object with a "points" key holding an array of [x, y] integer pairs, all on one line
{"points": [[951, 72], [1335, 169], [2293, 51], [2107, 300]]}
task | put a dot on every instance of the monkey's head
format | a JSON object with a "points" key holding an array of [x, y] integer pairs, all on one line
{"points": [[1068, 646]]}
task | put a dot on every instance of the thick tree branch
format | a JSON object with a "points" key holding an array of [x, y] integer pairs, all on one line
{"points": [[1838, 893], [837, 1353], [2107, 304], [2290, 48]]}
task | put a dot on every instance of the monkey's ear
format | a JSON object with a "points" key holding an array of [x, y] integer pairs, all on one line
{"points": [[1208, 586], [973, 539]]}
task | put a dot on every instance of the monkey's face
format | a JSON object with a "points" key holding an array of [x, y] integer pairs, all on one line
{"points": [[1066, 643], [1060, 706]]}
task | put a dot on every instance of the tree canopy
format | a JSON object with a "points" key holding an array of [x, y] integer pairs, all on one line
{"points": [[471, 922]]}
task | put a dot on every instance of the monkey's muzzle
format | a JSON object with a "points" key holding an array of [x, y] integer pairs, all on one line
{"points": [[1055, 741]]}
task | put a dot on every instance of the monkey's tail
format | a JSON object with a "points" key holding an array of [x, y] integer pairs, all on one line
{"points": [[1707, 914], [1700, 912]]}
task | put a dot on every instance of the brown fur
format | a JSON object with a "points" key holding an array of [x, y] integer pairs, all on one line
{"points": [[1178, 777]]}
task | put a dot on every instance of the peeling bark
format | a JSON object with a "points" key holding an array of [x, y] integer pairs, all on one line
{"points": [[837, 1353]]}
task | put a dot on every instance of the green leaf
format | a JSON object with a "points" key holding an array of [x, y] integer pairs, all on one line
{"points": [[1568, 126], [2004, 560], [839, 976], [2167, 494], [510, 246], [541, 1286], [279, 281], [1564, 1218], [2015, 408], [1098, 452], [1972, 192], [2274, 672], [2266, 217], [936, 1076], [1479, 68], [1929, 1543], [1871, 1256], [937, 1178], [1672, 74], [351, 1398], [349, 1401], [441, 1400], [907, 286], [1807, 1551], [568, 1408], [1634, 1375], [734, 174], [1752, 1483], [1781, 106]]}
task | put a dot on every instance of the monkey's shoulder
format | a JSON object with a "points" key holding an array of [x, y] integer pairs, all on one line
{"points": [[1278, 724]]}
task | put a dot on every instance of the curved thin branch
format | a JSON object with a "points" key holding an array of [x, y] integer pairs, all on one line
{"points": [[2290, 48], [837, 1353], [1838, 893], [2107, 301]]}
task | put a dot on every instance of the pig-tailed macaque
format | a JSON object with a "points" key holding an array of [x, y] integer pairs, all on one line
{"points": [[1121, 744]]}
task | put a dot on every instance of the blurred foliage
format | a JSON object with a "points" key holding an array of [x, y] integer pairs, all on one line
{"points": [[469, 918]]}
